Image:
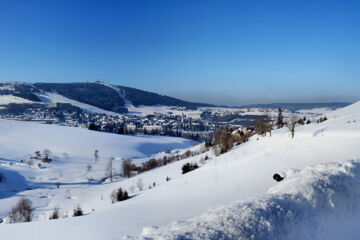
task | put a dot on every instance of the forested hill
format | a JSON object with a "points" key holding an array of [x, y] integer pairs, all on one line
{"points": [[108, 97]]}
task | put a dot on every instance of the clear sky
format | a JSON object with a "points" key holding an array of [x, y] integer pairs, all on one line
{"points": [[223, 52]]}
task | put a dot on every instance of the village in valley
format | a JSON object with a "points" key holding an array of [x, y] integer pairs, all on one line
{"points": [[174, 121]]}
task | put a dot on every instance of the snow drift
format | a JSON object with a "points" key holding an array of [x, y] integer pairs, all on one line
{"points": [[309, 204]]}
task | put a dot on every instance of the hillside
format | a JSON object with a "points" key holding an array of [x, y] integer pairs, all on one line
{"points": [[107, 96], [232, 191]]}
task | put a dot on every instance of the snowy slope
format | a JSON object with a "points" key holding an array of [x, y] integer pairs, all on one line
{"points": [[243, 174], [6, 99], [307, 205], [17, 138], [57, 98]]}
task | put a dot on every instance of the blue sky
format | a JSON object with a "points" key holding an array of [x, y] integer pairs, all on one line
{"points": [[223, 52]]}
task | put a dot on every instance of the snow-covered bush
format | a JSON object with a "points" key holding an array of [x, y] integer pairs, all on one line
{"points": [[187, 167], [21, 212], [140, 184], [30, 162], [119, 195]]}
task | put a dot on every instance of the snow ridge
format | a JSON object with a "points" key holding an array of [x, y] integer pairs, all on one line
{"points": [[307, 205]]}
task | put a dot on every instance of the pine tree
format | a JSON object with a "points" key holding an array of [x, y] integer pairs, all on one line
{"points": [[280, 119]]}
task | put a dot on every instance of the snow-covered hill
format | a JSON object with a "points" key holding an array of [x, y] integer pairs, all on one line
{"points": [[232, 196]]}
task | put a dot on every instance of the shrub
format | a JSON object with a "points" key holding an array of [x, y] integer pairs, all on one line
{"points": [[77, 212], [54, 214], [151, 164], [188, 167], [1, 177], [46, 159], [187, 153], [21, 212], [37, 154], [119, 195]]}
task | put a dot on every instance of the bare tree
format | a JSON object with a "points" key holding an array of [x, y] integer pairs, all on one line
{"points": [[22, 211], [127, 167], [291, 124], [140, 184], [55, 214], [109, 170], [269, 123], [261, 125]]}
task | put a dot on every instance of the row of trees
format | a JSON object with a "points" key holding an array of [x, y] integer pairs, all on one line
{"points": [[224, 139], [129, 169], [267, 124]]}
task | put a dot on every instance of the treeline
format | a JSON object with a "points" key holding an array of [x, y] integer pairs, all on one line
{"points": [[224, 139], [195, 136], [129, 169]]}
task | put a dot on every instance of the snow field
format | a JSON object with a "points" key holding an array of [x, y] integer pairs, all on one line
{"points": [[317, 191]]}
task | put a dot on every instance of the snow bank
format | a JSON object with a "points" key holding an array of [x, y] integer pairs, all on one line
{"points": [[309, 204]]}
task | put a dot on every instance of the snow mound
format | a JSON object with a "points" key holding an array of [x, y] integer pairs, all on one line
{"points": [[309, 204]]}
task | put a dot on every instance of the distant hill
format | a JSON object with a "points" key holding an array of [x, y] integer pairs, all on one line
{"points": [[103, 96], [139, 97], [298, 106], [113, 98]]}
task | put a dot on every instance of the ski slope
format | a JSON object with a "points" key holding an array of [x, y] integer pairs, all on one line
{"points": [[7, 99], [232, 196], [50, 97]]}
